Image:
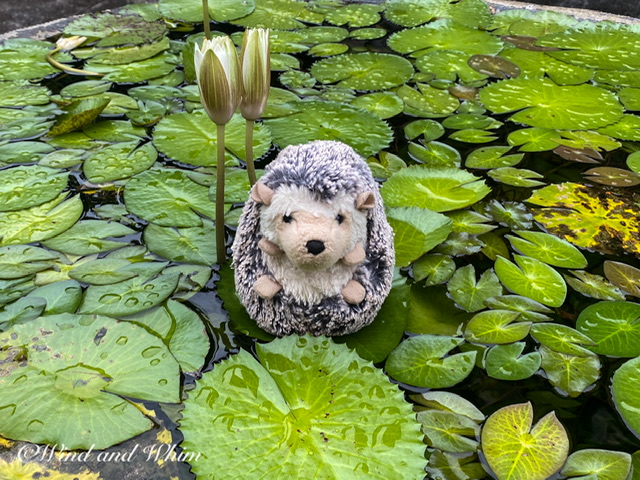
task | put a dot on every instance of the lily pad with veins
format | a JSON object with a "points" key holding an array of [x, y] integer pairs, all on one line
{"points": [[410, 13]]}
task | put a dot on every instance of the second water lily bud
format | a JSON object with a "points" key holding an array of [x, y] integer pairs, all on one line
{"points": [[218, 75], [256, 72]]}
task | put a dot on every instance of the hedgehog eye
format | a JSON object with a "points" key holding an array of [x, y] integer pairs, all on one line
{"points": [[339, 219], [287, 218]]}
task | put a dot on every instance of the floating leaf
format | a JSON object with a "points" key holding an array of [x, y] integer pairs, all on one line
{"points": [[496, 327], [191, 10], [21, 260], [168, 197], [624, 387], [529, 310], [79, 114], [115, 29], [118, 161], [25, 59], [516, 177], [364, 71], [438, 189], [589, 217], [449, 402], [433, 269], [363, 131], [381, 104], [593, 286], [494, 66], [468, 221], [444, 35], [21, 311], [615, 177], [27, 186], [40, 222], [534, 139], [128, 297], [60, 297], [422, 361], [21, 93], [562, 338], [416, 231], [368, 33], [509, 214], [604, 464], [135, 72], [89, 236], [542, 103], [185, 245], [468, 293], [448, 65], [410, 13], [300, 392], [328, 49], [449, 431], [82, 364], [429, 129], [492, 157], [473, 135], [537, 64], [276, 14], [515, 450], [548, 249], [435, 154], [613, 326], [571, 374], [532, 278], [428, 102], [355, 15], [506, 362], [623, 276]]}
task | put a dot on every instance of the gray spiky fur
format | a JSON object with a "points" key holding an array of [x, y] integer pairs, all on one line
{"points": [[325, 168]]}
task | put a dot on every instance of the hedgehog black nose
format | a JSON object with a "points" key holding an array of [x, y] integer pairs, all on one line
{"points": [[315, 247]]}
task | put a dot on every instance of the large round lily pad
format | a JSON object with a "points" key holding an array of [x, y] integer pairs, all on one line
{"points": [[62, 377], [613, 326], [625, 393], [27, 186], [542, 103], [308, 408], [411, 13], [364, 71], [365, 132], [191, 10]]}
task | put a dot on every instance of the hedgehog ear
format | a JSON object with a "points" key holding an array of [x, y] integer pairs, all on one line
{"points": [[365, 201], [262, 194]]}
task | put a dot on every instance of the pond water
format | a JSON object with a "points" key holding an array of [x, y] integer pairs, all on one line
{"points": [[506, 145]]}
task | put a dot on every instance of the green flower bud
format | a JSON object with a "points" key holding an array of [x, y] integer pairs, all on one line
{"points": [[256, 72]]}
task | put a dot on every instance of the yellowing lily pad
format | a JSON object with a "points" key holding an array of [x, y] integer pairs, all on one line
{"points": [[589, 217], [542, 103], [516, 449]]}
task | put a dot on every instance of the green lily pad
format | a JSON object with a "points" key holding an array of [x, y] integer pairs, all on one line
{"points": [[448, 65], [449, 431], [473, 135], [434, 269], [25, 59], [449, 402], [492, 157], [89, 236], [60, 297], [21, 311], [85, 88], [444, 35], [496, 327], [354, 15], [506, 362], [593, 286], [605, 46], [542, 103], [299, 393], [534, 139], [429, 129], [79, 114], [438, 189], [368, 33], [422, 361], [613, 326], [548, 249], [589, 217], [364, 71], [469, 294], [529, 310], [115, 29], [366, 133], [435, 154], [625, 277], [517, 177], [40, 222], [28, 186], [533, 279], [411, 13], [168, 197], [23, 152], [428, 102], [381, 104], [14, 289], [563, 339], [191, 10], [276, 15], [328, 49], [468, 221], [118, 161], [21, 260], [82, 365], [624, 388], [534, 64], [191, 138], [517, 449], [21, 93], [186, 245], [570, 374], [604, 464], [509, 214], [103, 271], [416, 231], [128, 297]]}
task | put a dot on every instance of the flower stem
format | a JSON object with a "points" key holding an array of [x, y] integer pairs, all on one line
{"points": [[248, 146], [220, 241], [205, 19], [66, 68]]}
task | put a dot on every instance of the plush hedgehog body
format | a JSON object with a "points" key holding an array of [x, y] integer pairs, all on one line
{"points": [[314, 252]]}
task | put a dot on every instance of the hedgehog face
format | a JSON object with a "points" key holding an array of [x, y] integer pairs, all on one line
{"points": [[313, 234]]}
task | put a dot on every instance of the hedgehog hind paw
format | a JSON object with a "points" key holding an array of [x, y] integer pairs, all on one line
{"points": [[353, 292], [266, 287]]}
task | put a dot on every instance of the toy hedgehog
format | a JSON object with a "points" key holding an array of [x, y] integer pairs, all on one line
{"points": [[313, 252]]}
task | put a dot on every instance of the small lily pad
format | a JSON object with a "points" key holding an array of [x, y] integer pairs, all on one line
{"points": [[422, 361], [548, 249], [468, 293], [276, 14], [535, 139], [27, 186], [593, 286], [448, 431], [448, 65], [429, 129], [563, 339], [496, 327], [191, 10], [89, 236], [614, 326], [186, 245], [506, 362], [381, 104], [532, 278], [517, 449], [517, 177], [604, 464], [428, 101], [115, 29], [433, 269], [492, 157], [435, 154], [328, 49], [78, 114], [118, 161], [355, 15], [570, 374], [21, 93]]}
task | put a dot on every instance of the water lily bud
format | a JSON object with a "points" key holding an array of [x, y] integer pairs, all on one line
{"points": [[69, 43], [218, 75], [256, 72]]}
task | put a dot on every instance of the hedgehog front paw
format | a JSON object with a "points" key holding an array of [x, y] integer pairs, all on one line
{"points": [[269, 247], [355, 256], [266, 287], [353, 292]]}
